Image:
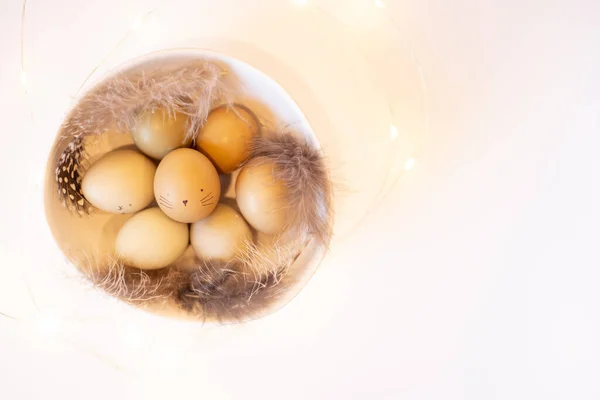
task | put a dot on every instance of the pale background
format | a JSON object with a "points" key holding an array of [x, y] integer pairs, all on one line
{"points": [[476, 278]]}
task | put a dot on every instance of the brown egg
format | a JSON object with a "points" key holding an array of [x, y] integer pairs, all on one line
{"points": [[226, 137], [120, 182], [261, 197], [151, 240], [221, 235], [158, 133], [186, 186]]}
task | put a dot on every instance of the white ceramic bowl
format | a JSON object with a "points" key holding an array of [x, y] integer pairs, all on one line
{"points": [[356, 89]]}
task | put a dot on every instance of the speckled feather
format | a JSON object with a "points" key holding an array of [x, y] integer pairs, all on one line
{"points": [[68, 175]]}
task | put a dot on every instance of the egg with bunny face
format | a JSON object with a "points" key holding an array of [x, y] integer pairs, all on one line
{"points": [[186, 186]]}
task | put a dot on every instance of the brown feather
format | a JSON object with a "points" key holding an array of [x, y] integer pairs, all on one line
{"points": [[241, 289], [134, 285], [301, 167], [192, 88]]}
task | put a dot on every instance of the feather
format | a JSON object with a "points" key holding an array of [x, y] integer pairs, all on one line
{"points": [[243, 288], [134, 285], [192, 88], [301, 168]]}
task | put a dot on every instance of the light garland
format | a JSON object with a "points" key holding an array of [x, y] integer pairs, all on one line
{"points": [[389, 182], [393, 132], [51, 327]]}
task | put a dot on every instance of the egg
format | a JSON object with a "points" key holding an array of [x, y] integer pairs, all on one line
{"points": [[261, 197], [151, 240], [222, 235], [186, 185], [156, 133], [120, 182], [226, 137]]}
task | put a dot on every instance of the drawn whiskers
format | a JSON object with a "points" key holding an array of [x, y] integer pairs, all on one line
{"points": [[165, 202], [208, 200]]}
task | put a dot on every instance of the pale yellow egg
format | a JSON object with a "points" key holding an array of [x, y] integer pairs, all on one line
{"points": [[151, 240], [262, 198], [156, 133], [186, 186], [120, 182], [226, 137], [222, 235]]}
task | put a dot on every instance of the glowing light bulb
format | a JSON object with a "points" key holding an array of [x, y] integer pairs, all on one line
{"points": [[24, 78], [393, 132], [410, 164], [379, 3], [47, 326]]}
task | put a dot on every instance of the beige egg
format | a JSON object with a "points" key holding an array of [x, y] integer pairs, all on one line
{"points": [[222, 235], [186, 185], [226, 137], [151, 240], [158, 133], [261, 197], [120, 182]]}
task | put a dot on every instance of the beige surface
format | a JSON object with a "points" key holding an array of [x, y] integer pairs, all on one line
{"points": [[492, 288]]}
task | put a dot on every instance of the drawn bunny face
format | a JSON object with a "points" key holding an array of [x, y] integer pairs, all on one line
{"points": [[186, 186]]}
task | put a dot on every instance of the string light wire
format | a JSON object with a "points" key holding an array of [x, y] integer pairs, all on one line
{"points": [[137, 24], [386, 189]]}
